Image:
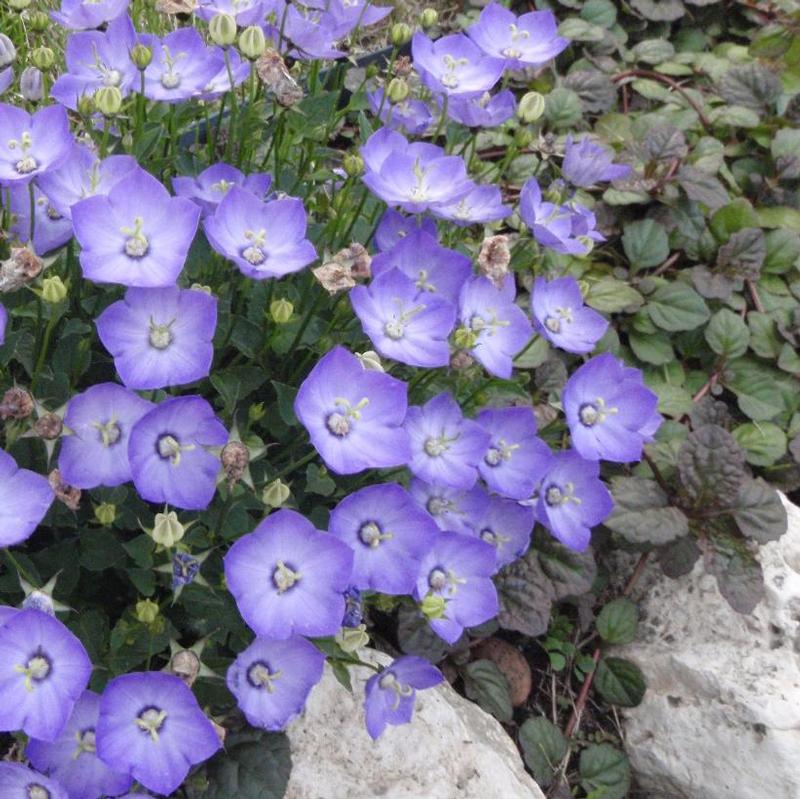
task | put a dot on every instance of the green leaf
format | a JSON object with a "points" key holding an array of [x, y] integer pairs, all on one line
{"points": [[91, 626], [571, 573], [731, 218], [617, 621], [645, 243], [653, 51], [711, 466], [563, 107], [660, 10], [756, 388], [543, 748], [534, 354], [783, 251], [415, 636], [318, 481], [739, 575], [727, 334], [702, 187], [678, 558], [759, 512], [779, 217], [286, 395], [605, 769], [676, 306], [764, 339], [526, 595], [595, 89], [751, 85], [789, 359], [642, 513], [655, 348], [485, 684], [599, 12], [763, 442], [611, 296], [254, 765], [100, 550], [620, 682], [236, 383], [580, 30], [743, 254]]}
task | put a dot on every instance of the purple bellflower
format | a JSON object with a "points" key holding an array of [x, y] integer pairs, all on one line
{"points": [[353, 608], [210, 187], [526, 41], [453, 65], [25, 498], [185, 568], [20, 782], [516, 457], [446, 447], [6, 79], [245, 12], [561, 317], [388, 534], [479, 205], [160, 337], [312, 32], [227, 77], [610, 412], [271, 680], [507, 526], [72, 757], [403, 321], [354, 416], [586, 163], [483, 111], [168, 453], [288, 578], [573, 499], [437, 270], [100, 421], [347, 15], [3, 324], [151, 727], [96, 59], [452, 509], [44, 669], [137, 235], [394, 227], [411, 117], [459, 569], [494, 328], [51, 229], [32, 144], [80, 15], [263, 239], [390, 695]]}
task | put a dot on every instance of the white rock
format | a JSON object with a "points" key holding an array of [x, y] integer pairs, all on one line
{"points": [[721, 716], [451, 750]]}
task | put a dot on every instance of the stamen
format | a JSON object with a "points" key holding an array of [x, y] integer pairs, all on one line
{"points": [[284, 578], [150, 721], [136, 245], [260, 676], [160, 335], [371, 535], [169, 448], [109, 431], [36, 670], [86, 743]]}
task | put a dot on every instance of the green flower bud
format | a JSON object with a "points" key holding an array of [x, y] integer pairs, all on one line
{"points": [[107, 100], [252, 42], [523, 137], [281, 311], [372, 71], [141, 55], [146, 611], [105, 513], [19, 5], [353, 165], [531, 107], [400, 34], [465, 338], [256, 411], [275, 494], [432, 607], [43, 57], [429, 17], [38, 21], [222, 29], [53, 289], [85, 104], [397, 91], [351, 639], [167, 530]]}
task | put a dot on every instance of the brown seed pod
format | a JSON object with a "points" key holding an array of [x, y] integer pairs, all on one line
{"points": [[512, 665]]}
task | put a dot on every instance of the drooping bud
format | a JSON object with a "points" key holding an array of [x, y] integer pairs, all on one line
{"points": [[64, 492], [252, 42], [48, 426], [31, 84], [108, 100], [429, 17], [461, 360], [235, 459], [531, 107], [494, 258], [16, 404], [275, 494], [370, 360], [53, 290], [141, 55], [353, 165], [7, 51], [400, 34], [105, 513], [43, 57], [397, 90], [146, 611], [281, 311], [334, 277], [403, 66], [222, 29], [167, 529]]}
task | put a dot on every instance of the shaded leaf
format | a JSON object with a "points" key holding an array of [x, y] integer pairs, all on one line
{"points": [[759, 512], [678, 558], [526, 595], [617, 621], [611, 296], [595, 89], [620, 682], [750, 85], [711, 466], [763, 442], [676, 306], [739, 575], [642, 513], [727, 334], [743, 254], [485, 684], [605, 769], [702, 187], [543, 748], [645, 243]]}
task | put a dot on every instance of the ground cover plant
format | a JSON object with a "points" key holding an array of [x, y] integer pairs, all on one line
{"points": [[319, 329]]}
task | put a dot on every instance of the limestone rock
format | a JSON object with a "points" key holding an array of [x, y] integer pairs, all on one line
{"points": [[721, 716], [451, 750]]}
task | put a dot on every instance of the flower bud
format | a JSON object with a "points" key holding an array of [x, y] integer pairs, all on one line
{"points": [[108, 100], [19, 269], [256, 412], [432, 607], [222, 29], [167, 530], [19, 5], [7, 51], [275, 494], [523, 137], [85, 105], [141, 55], [48, 426], [530, 107], [281, 311], [429, 17], [353, 165], [461, 360], [53, 289], [30, 84], [371, 361], [43, 57], [252, 42], [41, 601], [465, 338], [397, 90], [146, 611], [351, 639], [400, 34], [38, 21], [105, 513]]}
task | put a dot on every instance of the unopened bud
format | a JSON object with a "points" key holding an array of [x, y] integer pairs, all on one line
{"points": [[22, 266], [31, 85], [433, 607], [275, 494], [252, 42], [53, 289], [7, 51], [256, 411], [43, 57], [141, 55], [86, 105], [531, 107], [108, 100], [400, 34], [461, 360], [429, 17], [371, 361], [465, 338], [48, 426], [281, 311], [351, 639], [397, 90], [38, 21], [105, 513], [167, 529], [146, 611], [353, 165], [222, 30], [19, 5]]}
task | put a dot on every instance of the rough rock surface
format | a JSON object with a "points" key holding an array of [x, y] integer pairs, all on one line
{"points": [[451, 750], [721, 716]]}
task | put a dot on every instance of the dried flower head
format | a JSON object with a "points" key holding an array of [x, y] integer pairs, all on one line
{"points": [[68, 494], [273, 72], [235, 459], [334, 277], [21, 267], [16, 404], [48, 426], [493, 259]]}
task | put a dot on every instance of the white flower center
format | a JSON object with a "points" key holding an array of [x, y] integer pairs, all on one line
{"points": [[150, 721], [260, 676], [283, 577], [136, 245]]}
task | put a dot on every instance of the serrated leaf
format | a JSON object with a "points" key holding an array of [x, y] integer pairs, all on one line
{"points": [[254, 765], [571, 573], [759, 513], [711, 466], [580, 30], [655, 348], [645, 243], [756, 388], [763, 442], [678, 558], [485, 684], [664, 143], [750, 85], [605, 769], [642, 513], [743, 254], [739, 575], [543, 748], [611, 296], [782, 251], [702, 187], [676, 306], [595, 89], [731, 218], [727, 334], [660, 10], [526, 595], [563, 107], [415, 636], [764, 339], [620, 682], [653, 51], [617, 621]]}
